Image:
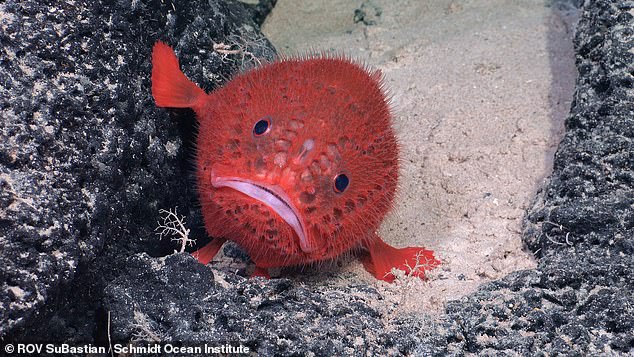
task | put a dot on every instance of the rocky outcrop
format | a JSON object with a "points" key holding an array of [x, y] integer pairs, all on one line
{"points": [[86, 160]]}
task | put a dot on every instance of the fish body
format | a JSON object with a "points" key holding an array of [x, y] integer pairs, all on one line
{"points": [[297, 161]]}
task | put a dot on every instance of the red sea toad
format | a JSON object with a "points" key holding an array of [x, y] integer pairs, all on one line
{"points": [[297, 161]]}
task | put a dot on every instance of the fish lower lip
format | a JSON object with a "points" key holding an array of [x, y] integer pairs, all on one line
{"points": [[273, 197]]}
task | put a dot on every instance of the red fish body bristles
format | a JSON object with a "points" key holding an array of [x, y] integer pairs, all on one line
{"points": [[297, 161]]}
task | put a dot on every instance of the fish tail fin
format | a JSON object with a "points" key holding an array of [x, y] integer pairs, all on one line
{"points": [[205, 254], [383, 257], [170, 87]]}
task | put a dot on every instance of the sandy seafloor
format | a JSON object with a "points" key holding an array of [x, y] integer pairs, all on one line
{"points": [[480, 91]]}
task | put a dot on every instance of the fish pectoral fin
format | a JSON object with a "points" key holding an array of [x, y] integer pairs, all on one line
{"points": [[209, 251], [382, 258], [170, 86]]}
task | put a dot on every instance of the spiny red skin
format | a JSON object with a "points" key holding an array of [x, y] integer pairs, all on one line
{"points": [[329, 100], [338, 105]]}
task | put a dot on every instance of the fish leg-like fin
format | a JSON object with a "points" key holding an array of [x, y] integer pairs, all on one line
{"points": [[259, 271], [170, 86], [383, 257], [209, 251]]}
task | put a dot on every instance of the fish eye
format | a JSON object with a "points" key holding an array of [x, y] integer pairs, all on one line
{"points": [[341, 183], [262, 126]]}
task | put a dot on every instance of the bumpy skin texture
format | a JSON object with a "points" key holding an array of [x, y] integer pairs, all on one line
{"points": [[324, 100], [326, 117]]}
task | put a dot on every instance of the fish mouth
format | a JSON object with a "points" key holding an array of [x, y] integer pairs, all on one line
{"points": [[274, 197]]}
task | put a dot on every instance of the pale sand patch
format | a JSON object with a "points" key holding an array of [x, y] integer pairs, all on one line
{"points": [[480, 89]]}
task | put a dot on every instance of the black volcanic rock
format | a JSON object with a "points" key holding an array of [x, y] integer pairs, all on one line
{"points": [[176, 298], [86, 160]]}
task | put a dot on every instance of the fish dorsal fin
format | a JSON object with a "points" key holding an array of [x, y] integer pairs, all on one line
{"points": [[170, 87]]}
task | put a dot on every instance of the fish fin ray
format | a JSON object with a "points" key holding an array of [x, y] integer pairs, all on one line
{"points": [[383, 257]]}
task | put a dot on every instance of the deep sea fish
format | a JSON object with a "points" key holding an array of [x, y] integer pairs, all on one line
{"points": [[297, 161]]}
